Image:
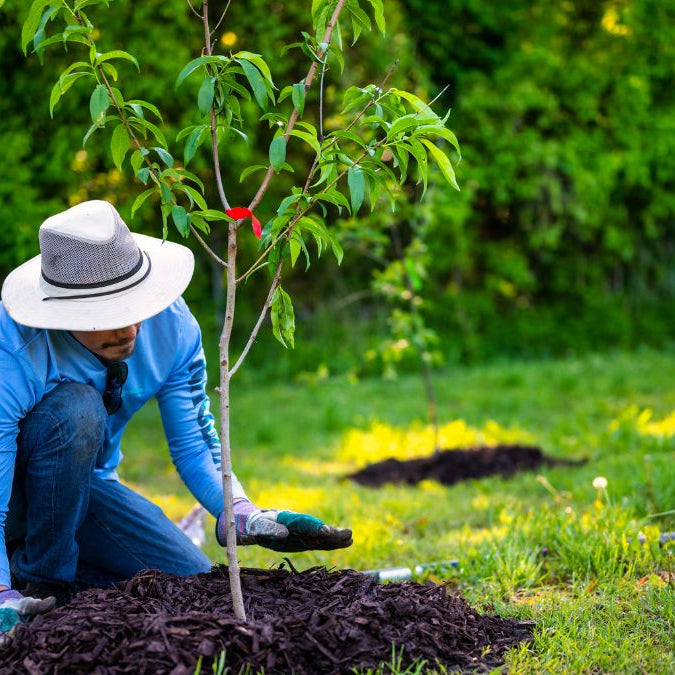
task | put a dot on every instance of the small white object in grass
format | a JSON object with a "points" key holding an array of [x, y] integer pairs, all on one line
{"points": [[599, 482]]}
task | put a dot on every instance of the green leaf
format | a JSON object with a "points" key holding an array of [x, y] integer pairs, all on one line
{"points": [[196, 63], [213, 214], [360, 21], [117, 97], [337, 249], [199, 223], [32, 22], [136, 104], [99, 103], [278, 152], [378, 12], [79, 4], [206, 94], [337, 53], [196, 196], [136, 161], [443, 132], [40, 36], [357, 187], [298, 97], [181, 220], [424, 112], [182, 173], [62, 86], [138, 202], [320, 12], [317, 229], [90, 131], [296, 246], [165, 156], [283, 317], [166, 194], [143, 123], [443, 163], [333, 197], [310, 139], [256, 81], [251, 169], [288, 201], [401, 125], [349, 135], [75, 29], [166, 212], [402, 158], [39, 46], [187, 131], [195, 139], [119, 144], [110, 71], [258, 61], [117, 54], [285, 93], [143, 175], [417, 151], [275, 119]]}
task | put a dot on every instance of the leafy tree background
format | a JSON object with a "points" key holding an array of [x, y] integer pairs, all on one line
{"points": [[562, 239]]}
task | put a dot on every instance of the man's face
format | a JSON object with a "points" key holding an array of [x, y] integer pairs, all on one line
{"points": [[109, 345]]}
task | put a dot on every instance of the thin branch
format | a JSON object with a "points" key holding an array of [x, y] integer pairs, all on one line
{"points": [[224, 349], [226, 449], [214, 125], [390, 72], [207, 248], [323, 72], [294, 115], [222, 16], [435, 98], [194, 11], [261, 318]]}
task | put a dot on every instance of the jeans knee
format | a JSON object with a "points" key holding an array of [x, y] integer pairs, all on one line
{"points": [[71, 416]]}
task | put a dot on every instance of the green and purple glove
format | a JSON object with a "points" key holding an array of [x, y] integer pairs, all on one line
{"points": [[15, 609], [285, 531]]}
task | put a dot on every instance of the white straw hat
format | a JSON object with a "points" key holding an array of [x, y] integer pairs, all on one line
{"points": [[94, 274]]}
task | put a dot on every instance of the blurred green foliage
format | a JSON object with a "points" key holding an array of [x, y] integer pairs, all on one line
{"points": [[564, 235], [561, 239]]}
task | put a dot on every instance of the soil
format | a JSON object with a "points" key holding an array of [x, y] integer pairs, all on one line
{"points": [[316, 621], [452, 466]]}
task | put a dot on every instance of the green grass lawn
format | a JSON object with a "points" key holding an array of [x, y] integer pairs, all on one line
{"points": [[546, 546]]}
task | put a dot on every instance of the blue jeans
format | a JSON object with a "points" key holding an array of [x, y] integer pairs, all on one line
{"points": [[65, 524]]}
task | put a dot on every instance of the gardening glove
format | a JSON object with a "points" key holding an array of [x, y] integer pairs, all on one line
{"points": [[15, 609], [285, 531]]}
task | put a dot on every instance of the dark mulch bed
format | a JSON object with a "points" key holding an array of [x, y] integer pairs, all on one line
{"points": [[309, 622], [452, 466]]}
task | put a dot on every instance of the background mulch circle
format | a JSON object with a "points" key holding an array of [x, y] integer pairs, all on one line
{"points": [[451, 466], [314, 621]]}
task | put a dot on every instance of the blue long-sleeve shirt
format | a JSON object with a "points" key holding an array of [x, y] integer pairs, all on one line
{"points": [[168, 363]]}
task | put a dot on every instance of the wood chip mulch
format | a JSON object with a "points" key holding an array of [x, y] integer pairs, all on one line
{"points": [[316, 621]]}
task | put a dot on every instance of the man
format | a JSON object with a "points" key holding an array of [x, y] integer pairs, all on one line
{"points": [[90, 330]]}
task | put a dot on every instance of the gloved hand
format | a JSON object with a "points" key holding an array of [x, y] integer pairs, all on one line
{"points": [[14, 609], [285, 531]]}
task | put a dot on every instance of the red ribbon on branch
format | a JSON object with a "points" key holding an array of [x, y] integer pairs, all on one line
{"points": [[239, 212]]}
